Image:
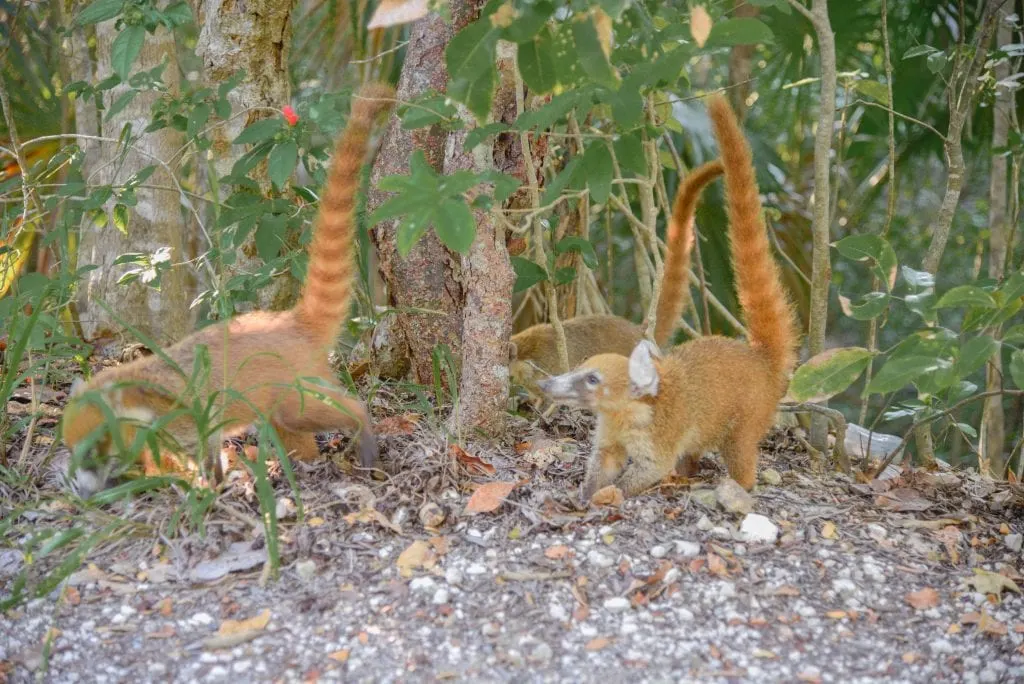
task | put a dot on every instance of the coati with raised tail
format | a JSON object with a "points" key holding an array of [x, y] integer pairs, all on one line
{"points": [[713, 393], [534, 353], [257, 361]]}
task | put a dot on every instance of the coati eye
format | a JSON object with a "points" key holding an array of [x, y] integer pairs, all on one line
{"points": [[593, 379]]}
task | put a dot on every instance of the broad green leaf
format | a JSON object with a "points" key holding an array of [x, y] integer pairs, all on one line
{"points": [[597, 164], [629, 151], [872, 306], [591, 55], [269, 236], [476, 94], [898, 372], [553, 111], [1017, 368], [564, 275], [536, 60], [258, 131], [197, 119], [613, 8], [829, 373], [1014, 335], [1013, 288], [936, 62], [457, 183], [917, 280], [177, 14], [742, 31], [873, 248], [974, 354], [559, 183], [918, 50], [427, 110], [121, 217], [120, 103], [100, 10], [528, 273], [481, 133], [412, 228], [966, 295], [574, 243], [471, 52], [567, 59], [873, 89], [282, 161], [125, 49], [400, 204], [504, 184], [455, 225], [627, 104], [530, 20]]}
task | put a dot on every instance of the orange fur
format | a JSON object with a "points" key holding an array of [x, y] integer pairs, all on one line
{"points": [[711, 393], [262, 366]]}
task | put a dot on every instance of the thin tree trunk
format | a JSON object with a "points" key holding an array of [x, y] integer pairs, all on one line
{"points": [[821, 266], [430, 276], [253, 37], [993, 430], [155, 222], [741, 61]]}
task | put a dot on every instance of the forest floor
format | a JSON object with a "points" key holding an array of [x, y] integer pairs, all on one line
{"points": [[913, 578]]}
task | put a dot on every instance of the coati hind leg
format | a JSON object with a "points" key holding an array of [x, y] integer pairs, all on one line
{"points": [[297, 421], [688, 465], [740, 453]]}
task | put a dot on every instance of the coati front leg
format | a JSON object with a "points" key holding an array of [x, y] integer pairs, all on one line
{"points": [[603, 466], [643, 471], [688, 465], [299, 418]]}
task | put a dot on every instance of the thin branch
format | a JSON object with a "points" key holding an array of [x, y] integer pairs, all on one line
{"points": [[905, 117], [838, 422], [795, 4]]}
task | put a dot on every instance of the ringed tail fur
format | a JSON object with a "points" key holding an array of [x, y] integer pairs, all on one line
{"points": [[769, 316], [324, 302], [675, 286]]}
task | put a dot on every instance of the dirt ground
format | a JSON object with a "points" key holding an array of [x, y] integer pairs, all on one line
{"points": [[414, 578]]}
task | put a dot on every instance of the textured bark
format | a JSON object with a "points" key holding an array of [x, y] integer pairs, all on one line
{"points": [[254, 37], [430, 276], [993, 425], [741, 61], [154, 223]]}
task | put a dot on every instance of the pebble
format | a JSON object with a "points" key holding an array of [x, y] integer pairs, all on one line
{"points": [[844, 586], [476, 569], [733, 498], [306, 569], [600, 560], [453, 576], [201, 619], [704, 524], [1014, 542], [758, 529], [720, 532], [558, 613], [241, 666], [422, 584], [617, 604], [770, 476], [876, 531], [441, 597], [687, 549], [628, 627], [491, 629], [659, 551], [541, 653]]}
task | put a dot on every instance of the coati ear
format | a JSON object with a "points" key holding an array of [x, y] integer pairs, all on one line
{"points": [[643, 373], [77, 386]]}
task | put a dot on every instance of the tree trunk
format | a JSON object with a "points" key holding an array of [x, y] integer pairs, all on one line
{"points": [[993, 430], [253, 37], [155, 222], [741, 60], [430, 277]]}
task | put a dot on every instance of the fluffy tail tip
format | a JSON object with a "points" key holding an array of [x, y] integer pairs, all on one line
{"points": [[372, 99]]}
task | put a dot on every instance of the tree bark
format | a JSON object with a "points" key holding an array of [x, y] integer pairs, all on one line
{"points": [[993, 426], [741, 60], [155, 222], [821, 266], [253, 37], [430, 277]]}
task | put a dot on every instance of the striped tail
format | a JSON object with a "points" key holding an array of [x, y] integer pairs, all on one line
{"points": [[769, 317], [675, 286], [324, 302]]}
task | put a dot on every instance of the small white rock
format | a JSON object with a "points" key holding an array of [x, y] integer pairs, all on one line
{"points": [[720, 532], [659, 551], [476, 569], [441, 597], [629, 627], [453, 576], [844, 586], [687, 549], [672, 576], [704, 524], [1014, 542], [241, 666], [616, 604], [423, 584], [558, 613], [600, 560], [201, 619], [285, 508], [306, 569], [758, 529], [876, 531]]}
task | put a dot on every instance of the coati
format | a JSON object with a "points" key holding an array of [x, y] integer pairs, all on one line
{"points": [[534, 353], [257, 361], [707, 394]]}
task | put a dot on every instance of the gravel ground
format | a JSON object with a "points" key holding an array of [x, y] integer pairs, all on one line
{"points": [[909, 579]]}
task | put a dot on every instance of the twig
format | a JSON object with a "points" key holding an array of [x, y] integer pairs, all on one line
{"points": [[893, 112], [789, 259], [838, 422]]}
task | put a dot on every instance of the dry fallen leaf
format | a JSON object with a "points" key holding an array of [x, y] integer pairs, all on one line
{"points": [[166, 607], [828, 530], [489, 497], [72, 596], [902, 500], [700, 25], [991, 582], [608, 496], [369, 515], [340, 656], [396, 12], [556, 552], [404, 424], [836, 614], [911, 657], [165, 632], [471, 462], [717, 566], [253, 624], [989, 625], [597, 643], [417, 555], [787, 590], [923, 599]]}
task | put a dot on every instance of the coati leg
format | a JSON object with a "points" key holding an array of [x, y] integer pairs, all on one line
{"points": [[688, 465], [296, 422], [642, 473], [741, 451], [603, 466]]}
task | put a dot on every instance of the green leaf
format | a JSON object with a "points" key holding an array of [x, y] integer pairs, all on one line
{"points": [[966, 295], [536, 60], [829, 373], [504, 184], [629, 151], [471, 52], [476, 94], [269, 236], [100, 10], [528, 274], [1014, 335], [918, 50], [121, 217], [873, 89], [974, 354], [1017, 368], [120, 103], [455, 225], [481, 133], [564, 275], [282, 161], [574, 243], [412, 228], [627, 104], [177, 14], [556, 186], [258, 131], [917, 280], [591, 55], [427, 110], [126, 48], [936, 62], [871, 248], [742, 31], [197, 119], [597, 164], [872, 306], [898, 372], [1012, 289], [530, 20]]}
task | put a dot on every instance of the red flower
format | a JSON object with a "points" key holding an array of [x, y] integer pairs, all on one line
{"points": [[289, 115]]}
